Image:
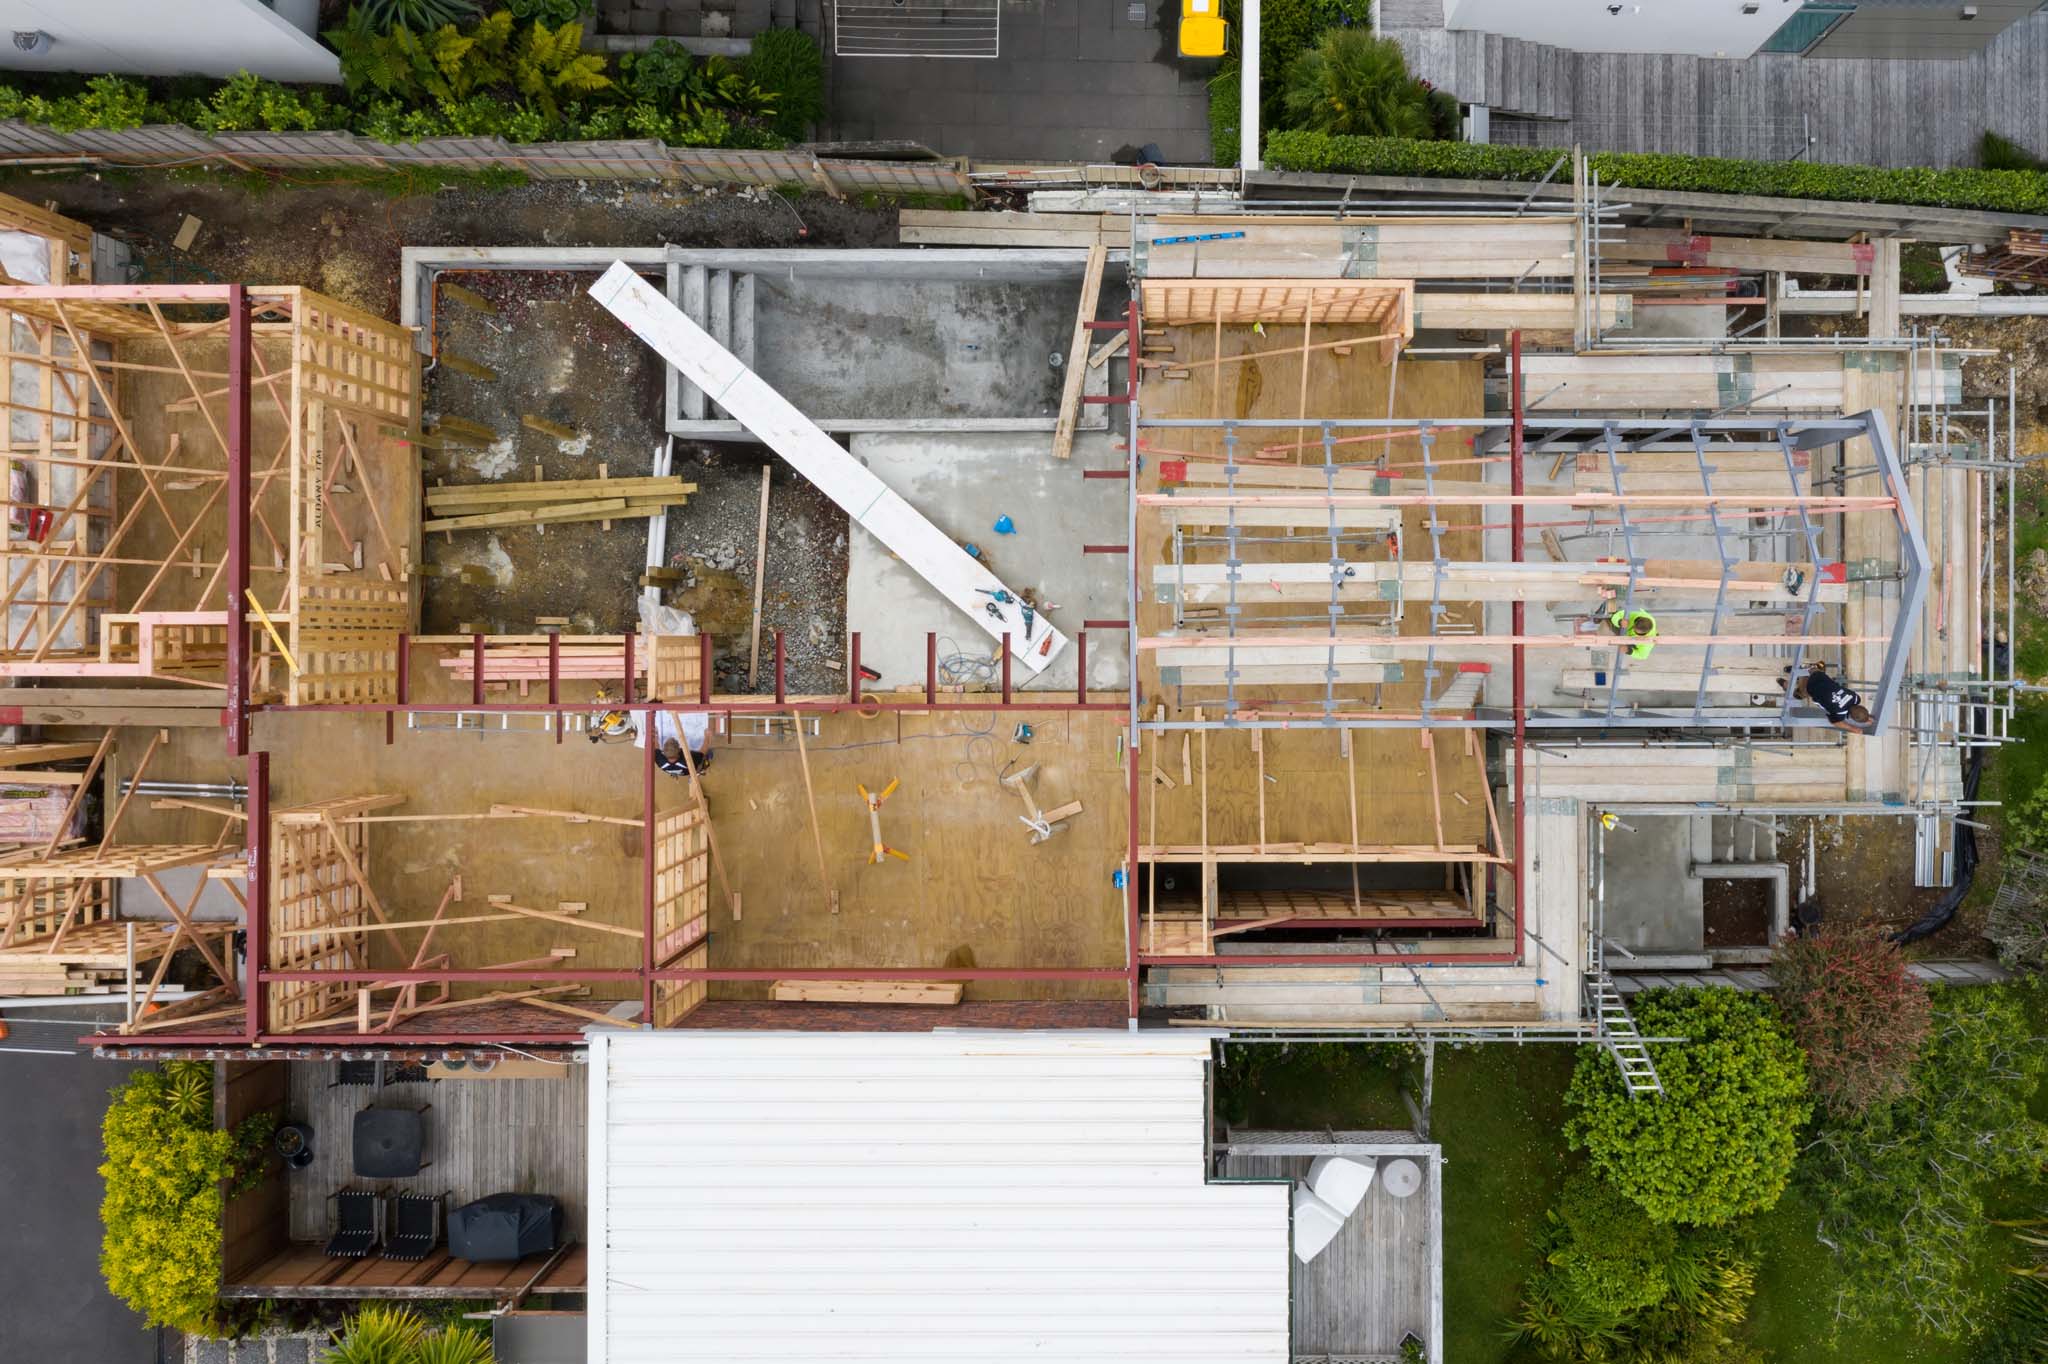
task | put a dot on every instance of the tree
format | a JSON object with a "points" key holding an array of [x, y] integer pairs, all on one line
{"points": [[1720, 1142], [1899, 1186], [1851, 1006], [1354, 82]]}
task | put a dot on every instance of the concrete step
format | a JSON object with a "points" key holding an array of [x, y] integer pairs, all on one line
{"points": [[695, 282], [722, 303]]}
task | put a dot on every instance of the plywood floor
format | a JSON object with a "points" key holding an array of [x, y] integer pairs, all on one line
{"points": [[1354, 385], [975, 892]]}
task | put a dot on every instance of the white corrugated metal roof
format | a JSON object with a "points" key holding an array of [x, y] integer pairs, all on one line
{"points": [[921, 1196]]}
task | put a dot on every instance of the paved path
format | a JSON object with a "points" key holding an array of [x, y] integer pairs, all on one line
{"points": [[58, 1306], [1078, 80]]}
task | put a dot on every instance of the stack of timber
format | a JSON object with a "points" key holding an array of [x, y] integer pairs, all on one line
{"points": [[1736, 774], [524, 658], [1781, 382], [1672, 246], [1333, 996], [1252, 246], [478, 506]]}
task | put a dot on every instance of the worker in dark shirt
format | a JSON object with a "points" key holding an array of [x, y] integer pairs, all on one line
{"points": [[1843, 707]]}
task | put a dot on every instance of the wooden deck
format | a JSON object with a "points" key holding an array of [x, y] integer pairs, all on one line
{"points": [[484, 1136], [1382, 1276], [304, 1271]]}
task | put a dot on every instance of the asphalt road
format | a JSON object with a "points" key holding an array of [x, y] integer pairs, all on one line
{"points": [[50, 1109]]}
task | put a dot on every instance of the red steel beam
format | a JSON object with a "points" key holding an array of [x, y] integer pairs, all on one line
{"points": [[1342, 959], [1133, 377], [240, 344], [619, 975], [647, 886], [256, 852]]}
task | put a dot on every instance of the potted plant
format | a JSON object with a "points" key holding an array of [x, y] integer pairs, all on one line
{"points": [[1412, 1351]]}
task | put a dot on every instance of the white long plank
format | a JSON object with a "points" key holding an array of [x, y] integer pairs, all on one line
{"points": [[929, 551]]}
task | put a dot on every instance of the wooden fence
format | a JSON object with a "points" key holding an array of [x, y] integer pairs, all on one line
{"points": [[174, 144]]}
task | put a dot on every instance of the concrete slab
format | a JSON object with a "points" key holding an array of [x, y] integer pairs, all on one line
{"points": [[1652, 905], [963, 483]]}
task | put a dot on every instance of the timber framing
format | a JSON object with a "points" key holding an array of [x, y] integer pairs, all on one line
{"points": [[1303, 578]]}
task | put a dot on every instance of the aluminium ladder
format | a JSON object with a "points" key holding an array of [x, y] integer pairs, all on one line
{"points": [[1619, 1034]]}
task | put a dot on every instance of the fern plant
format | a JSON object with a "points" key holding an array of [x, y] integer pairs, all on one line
{"points": [[547, 63]]}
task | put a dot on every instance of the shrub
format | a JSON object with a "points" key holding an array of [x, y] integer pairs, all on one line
{"points": [[1355, 82], [1720, 1142], [656, 76], [1614, 1285], [2000, 153], [785, 64], [165, 1176], [1900, 1186], [1851, 1006], [390, 1334], [249, 103], [377, 1334], [2003, 191]]}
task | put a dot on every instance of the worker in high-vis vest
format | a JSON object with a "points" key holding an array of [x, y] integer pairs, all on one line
{"points": [[1640, 627]]}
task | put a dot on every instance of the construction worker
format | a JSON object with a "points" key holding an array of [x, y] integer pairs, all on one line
{"points": [[1844, 708], [1638, 626], [675, 733]]}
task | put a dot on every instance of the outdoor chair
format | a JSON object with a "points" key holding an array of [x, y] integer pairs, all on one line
{"points": [[359, 1224], [355, 1074], [1341, 1182], [415, 1226], [1316, 1224]]}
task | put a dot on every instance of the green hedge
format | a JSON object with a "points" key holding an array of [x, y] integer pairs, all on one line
{"points": [[1999, 191], [499, 77], [166, 1175]]}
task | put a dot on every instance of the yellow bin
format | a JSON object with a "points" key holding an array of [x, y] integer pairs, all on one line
{"points": [[1202, 30]]}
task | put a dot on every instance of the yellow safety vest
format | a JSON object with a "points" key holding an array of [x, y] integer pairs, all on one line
{"points": [[1641, 645]]}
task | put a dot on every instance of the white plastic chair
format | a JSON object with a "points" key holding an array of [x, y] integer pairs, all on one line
{"points": [[1316, 1224], [1340, 1182]]}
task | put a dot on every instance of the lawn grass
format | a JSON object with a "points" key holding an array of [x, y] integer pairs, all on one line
{"points": [[1499, 1112]]}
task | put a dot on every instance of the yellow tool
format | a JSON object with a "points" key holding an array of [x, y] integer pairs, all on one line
{"points": [[606, 723], [880, 849]]}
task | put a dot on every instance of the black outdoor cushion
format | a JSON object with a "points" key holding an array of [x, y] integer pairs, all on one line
{"points": [[506, 1226]]}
